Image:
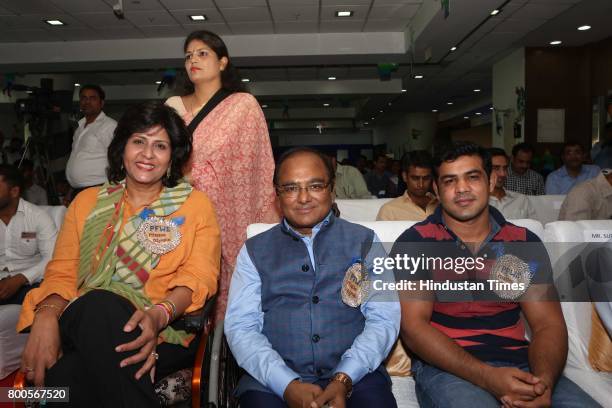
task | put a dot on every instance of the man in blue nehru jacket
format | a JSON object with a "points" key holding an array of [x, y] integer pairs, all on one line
{"points": [[300, 319]]}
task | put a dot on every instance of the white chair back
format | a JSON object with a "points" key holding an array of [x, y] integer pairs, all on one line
{"points": [[56, 212], [546, 207]]}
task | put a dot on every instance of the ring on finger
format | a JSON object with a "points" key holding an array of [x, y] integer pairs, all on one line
{"points": [[155, 355], [28, 369]]}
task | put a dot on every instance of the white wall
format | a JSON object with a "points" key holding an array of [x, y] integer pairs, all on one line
{"points": [[508, 74], [405, 132]]}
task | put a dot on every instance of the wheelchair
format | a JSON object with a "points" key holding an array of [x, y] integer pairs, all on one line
{"points": [[210, 382]]}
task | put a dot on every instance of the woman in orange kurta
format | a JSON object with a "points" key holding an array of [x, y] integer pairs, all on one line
{"points": [[132, 256], [232, 158]]}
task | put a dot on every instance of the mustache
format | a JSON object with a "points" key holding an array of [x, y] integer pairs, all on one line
{"points": [[465, 196]]}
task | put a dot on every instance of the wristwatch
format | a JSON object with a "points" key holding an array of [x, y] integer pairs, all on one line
{"points": [[346, 380]]}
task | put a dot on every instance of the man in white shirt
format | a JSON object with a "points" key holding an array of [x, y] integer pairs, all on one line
{"points": [[27, 238], [512, 205], [88, 160]]}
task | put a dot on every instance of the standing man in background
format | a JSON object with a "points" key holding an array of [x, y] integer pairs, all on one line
{"points": [[88, 159]]}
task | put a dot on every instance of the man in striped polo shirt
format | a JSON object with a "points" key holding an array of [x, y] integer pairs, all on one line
{"points": [[474, 353]]}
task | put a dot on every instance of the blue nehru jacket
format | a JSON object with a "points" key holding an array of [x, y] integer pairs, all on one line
{"points": [[286, 319]]}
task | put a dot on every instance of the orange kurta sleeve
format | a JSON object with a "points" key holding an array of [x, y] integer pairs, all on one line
{"points": [[202, 259], [61, 272]]}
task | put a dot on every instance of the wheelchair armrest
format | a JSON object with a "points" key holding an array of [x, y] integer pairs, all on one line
{"points": [[195, 321]]}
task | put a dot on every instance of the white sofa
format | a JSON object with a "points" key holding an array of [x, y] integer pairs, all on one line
{"points": [[546, 208]]}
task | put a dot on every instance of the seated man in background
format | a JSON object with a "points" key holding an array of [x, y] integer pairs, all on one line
{"points": [[573, 171], [417, 202], [378, 180], [292, 322], [521, 178], [474, 353], [349, 181], [589, 200], [512, 205], [32, 192], [27, 237]]}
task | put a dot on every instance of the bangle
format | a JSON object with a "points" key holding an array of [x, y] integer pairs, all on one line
{"points": [[165, 313], [49, 305]]}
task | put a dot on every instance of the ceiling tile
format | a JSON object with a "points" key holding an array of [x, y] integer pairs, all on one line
{"points": [[540, 11], [29, 6], [79, 34], [138, 5], [295, 27], [302, 73], [217, 28], [277, 3], [329, 13], [394, 11], [250, 14], [519, 26], [295, 13], [5, 12], [270, 74], [182, 16], [252, 28], [120, 32], [164, 31], [333, 3], [187, 4], [150, 18], [99, 20], [241, 3], [81, 6], [385, 2]]}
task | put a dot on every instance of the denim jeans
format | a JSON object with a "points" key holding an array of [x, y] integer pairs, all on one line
{"points": [[437, 388]]}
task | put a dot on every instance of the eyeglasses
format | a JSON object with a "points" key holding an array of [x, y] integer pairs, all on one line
{"points": [[198, 53], [292, 190]]}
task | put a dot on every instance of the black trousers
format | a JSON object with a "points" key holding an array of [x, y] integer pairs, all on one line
{"points": [[90, 330]]}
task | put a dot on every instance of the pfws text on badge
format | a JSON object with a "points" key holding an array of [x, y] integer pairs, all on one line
{"points": [[412, 264]]}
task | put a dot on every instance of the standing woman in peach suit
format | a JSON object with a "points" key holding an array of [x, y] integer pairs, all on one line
{"points": [[232, 158]]}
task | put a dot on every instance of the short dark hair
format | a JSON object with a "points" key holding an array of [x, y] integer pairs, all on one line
{"points": [[92, 87], [454, 150], [12, 176], [522, 147], [417, 158], [497, 151], [230, 78], [571, 144], [299, 150], [144, 116]]}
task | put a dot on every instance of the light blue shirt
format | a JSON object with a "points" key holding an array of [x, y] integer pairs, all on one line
{"points": [[560, 182], [244, 324]]}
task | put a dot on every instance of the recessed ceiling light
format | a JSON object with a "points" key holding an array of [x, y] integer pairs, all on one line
{"points": [[264, 106], [556, 42], [476, 90], [331, 78], [366, 123], [390, 103], [157, 82], [55, 22], [584, 28], [77, 84], [372, 117], [466, 117], [478, 113], [344, 13], [418, 77], [495, 12], [198, 17], [246, 80], [449, 103], [453, 49], [491, 108], [434, 110], [28, 91], [403, 90], [381, 111], [326, 104]]}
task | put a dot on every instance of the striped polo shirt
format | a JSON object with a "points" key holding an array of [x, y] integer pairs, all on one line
{"points": [[490, 330]]}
